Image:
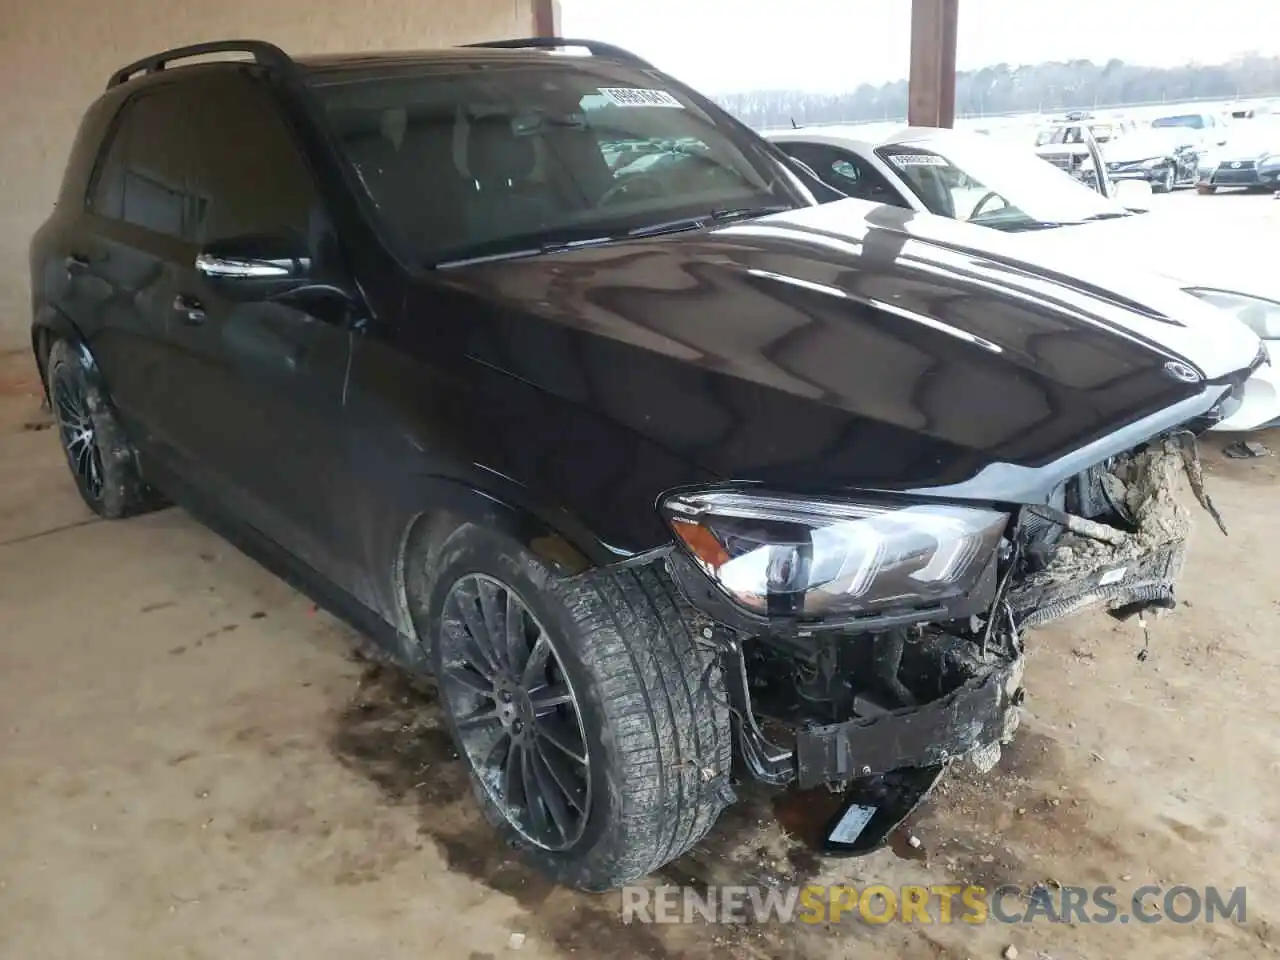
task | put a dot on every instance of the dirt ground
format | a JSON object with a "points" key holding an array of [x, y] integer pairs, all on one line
{"points": [[196, 766]]}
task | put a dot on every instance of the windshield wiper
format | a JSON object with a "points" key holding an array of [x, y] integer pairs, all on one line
{"points": [[536, 250], [682, 225], [671, 226], [746, 213], [697, 223]]}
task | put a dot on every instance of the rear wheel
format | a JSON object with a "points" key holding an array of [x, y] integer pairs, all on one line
{"points": [[595, 726], [100, 458]]}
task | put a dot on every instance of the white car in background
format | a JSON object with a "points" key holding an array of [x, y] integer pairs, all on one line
{"points": [[1229, 262]]}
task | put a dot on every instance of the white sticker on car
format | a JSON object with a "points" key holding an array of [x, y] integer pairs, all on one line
{"points": [[917, 160], [640, 97], [1112, 576], [851, 825]]}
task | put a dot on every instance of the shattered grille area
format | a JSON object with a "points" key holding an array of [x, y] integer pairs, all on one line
{"points": [[1099, 564]]}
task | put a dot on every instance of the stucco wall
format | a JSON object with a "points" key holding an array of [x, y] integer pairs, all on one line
{"points": [[56, 55]]}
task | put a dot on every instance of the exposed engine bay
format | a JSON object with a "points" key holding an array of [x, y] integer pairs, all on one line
{"points": [[881, 713]]}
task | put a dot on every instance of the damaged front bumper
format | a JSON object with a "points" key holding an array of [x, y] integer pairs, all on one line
{"points": [[877, 714], [977, 716]]}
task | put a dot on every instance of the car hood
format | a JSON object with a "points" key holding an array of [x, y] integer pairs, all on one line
{"points": [[854, 345], [1193, 249]]}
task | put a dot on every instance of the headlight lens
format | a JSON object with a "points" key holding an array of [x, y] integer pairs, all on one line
{"points": [[780, 555], [1270, 161], [1260, 316], [1152, 163]]}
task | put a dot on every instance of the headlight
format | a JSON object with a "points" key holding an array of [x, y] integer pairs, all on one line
{"points": [[793, 556], [1271, 161], [1152, 163], [1260, 316]]}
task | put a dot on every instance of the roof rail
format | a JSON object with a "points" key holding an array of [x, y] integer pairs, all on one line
{"points": [[267, 54], [595, 47]]}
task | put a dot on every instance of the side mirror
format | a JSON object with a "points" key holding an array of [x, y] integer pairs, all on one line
{"points": [[255, 267], [1132, 194]]}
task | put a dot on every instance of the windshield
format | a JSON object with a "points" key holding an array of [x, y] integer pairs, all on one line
{"points": [[461, 162], [1193, 120], [970, 177]]}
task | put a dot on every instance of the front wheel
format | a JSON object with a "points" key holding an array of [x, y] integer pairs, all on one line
{"points": [[1166, 182], [1205, 189], [595, 724]]}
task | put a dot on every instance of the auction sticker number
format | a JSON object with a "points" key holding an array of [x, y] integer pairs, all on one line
{"points": [[917, 160], [639, 97]]}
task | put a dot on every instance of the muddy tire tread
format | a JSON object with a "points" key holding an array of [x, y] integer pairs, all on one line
{"points": [[665, 704]]}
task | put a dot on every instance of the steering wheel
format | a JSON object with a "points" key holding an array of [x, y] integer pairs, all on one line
{"points": [[646, 184], [986, 198]]}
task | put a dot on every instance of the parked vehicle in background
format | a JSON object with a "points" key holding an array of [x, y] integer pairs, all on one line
{"points": [[1249, 160], [970, 177], [1249, 111], [1163, 158], [1065, 143], [1209, 130]]}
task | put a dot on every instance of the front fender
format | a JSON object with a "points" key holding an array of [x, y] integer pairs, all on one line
{"points": [[50, 324], [400, 534]]}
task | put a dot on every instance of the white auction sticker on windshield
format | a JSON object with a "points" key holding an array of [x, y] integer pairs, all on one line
{"points": [[917, 160], [640, 97]]}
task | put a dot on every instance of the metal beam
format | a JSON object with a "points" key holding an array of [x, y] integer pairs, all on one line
{"points": [[932, 89]]}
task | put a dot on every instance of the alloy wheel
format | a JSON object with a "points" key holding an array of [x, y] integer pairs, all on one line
{"points": [[515, 711], [79, 436]]}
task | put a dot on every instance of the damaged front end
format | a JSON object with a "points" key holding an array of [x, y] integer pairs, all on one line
{"points": [[877, 700], [1115, 536]]}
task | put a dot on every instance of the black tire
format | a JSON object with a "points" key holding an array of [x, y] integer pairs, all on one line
{"points": [[1167, 181], [1206, 188], [101, 459], [650, 696]]}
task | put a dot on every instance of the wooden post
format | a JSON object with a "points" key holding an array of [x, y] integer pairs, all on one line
{"points": [[546, 18], [932, 87]]}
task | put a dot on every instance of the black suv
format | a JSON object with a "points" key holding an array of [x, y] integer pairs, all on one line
{"points": [[555, 380]]}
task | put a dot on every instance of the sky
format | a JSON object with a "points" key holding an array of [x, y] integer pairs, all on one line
{"points": [[722, 46]]}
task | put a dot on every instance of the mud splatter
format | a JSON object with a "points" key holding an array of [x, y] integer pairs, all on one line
{"points": [[391, 732]]}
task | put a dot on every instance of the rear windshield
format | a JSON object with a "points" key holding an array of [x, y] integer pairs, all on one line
{"points": [[470, 161]]}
